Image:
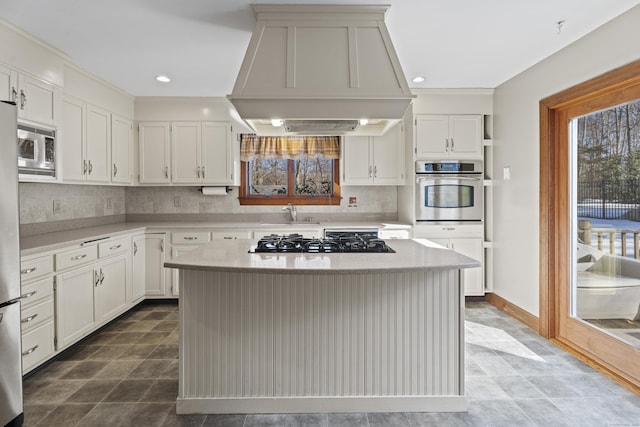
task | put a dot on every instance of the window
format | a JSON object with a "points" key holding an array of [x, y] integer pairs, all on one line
{"points": [[281, 170]]}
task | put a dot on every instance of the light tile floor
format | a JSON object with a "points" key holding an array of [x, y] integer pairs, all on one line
{"points": [[126, 375]]}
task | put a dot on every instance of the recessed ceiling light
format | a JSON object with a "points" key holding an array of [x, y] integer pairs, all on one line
{"points": [[364, 122], [163, 79], [418, 79], [276, 122]]}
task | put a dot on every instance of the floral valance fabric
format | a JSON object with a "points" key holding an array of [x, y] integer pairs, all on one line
{"points": [[278, 147]]}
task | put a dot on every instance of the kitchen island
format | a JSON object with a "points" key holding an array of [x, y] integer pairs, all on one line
{"points": [[333, 332]]}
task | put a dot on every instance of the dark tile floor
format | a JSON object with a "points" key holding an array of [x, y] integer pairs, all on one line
{"points": [[126, 375]]}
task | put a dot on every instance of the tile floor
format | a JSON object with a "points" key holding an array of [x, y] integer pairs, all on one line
{"points": [[126, 375]]}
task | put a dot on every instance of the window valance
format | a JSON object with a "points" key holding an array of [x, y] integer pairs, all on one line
{"points": [[278, 147]]}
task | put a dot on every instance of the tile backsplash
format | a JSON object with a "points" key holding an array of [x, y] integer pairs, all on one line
{"points": [[91, 201], [57, 202]]}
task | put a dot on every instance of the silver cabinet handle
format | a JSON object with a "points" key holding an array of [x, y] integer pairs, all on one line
{"points": [[101, 276], [446, 144], [203, 177], [166, 171], [452, 145], [190, 238], [23, 99], [113, 248], [96, 278], [90, 167], [198, 171], [161, 246], [135, 248], [31, 350], [14, 94], [115, 170], [84, 169], [29, 319], [29, 295], [28, 270], [375, 171], [77, 257], [369, 171], [229, 238], [448, 228]]}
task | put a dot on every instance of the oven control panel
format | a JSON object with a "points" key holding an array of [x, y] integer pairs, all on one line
{"points": [[425, 166]]}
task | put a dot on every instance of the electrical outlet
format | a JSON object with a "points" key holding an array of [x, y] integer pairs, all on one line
{"points": [[57, 207], [177, 201], [353, 202], [109, 204]]}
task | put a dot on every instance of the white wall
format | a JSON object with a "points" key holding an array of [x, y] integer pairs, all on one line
{"points": [[517, 144]]}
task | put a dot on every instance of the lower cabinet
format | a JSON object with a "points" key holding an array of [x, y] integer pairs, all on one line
{"points": [[471, 247], [155, 273], [37, 322], [74, 304], [138, 267], [110, 298]]}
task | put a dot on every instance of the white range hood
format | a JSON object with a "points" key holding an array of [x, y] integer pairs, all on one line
{"points": [[316, 66]]}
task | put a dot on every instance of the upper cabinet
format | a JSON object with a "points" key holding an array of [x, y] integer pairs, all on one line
{"points": [[374, 160], [153, 144], [449, 136], [201, 153], [121, 150], [35, 98], [85, 142]]}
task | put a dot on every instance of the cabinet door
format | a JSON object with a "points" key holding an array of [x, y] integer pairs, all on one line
{"points": [[121, 150], [216, 164], [35, 100], [356, 166], [98, 144], [155, 280], [185, 156], [473, 277], [432, 133], [388, 157], [153, 141], [111, 292], [176, 252], [71, 141], [8, 84], [74, 304], [138, 256], [465, 136]]}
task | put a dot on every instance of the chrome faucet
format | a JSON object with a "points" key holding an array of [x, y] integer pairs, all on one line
{"points": [[292, 212]]}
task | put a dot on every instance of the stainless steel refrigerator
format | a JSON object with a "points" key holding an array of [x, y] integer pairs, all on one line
{"points": [[11, 412]]}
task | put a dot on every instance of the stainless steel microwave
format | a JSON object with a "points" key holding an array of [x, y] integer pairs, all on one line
{"points": [[36, 151]]}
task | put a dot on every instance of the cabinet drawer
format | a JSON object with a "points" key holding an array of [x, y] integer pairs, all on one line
{"points": [[36, 291], [37, 345], [113, 247], [36, 314], [76, 257], [191, 237], [237, 234], [35, 267]]}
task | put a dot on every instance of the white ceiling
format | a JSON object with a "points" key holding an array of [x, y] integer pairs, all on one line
{"points": [[201, 43]]}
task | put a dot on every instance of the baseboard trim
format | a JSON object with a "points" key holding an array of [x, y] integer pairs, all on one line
{"points": [[514, 311]]}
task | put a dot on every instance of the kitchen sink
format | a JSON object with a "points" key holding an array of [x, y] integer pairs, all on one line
{"points": [[281, 224]]}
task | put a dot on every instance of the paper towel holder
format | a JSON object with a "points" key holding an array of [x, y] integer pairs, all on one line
{"points": [[217, 190]]}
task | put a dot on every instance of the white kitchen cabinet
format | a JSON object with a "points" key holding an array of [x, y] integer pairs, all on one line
{"points": [[121, 150], [374, 160], [85, 142], [201, 153], [471, 247], [138, 267], [448, 136], [74, 304], [34, 97], [153, 144], [98, 146], [111, 288], [155, 273]]}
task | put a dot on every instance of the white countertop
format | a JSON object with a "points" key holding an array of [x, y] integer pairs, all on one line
{"points": [[233, 255], [49, 241]]}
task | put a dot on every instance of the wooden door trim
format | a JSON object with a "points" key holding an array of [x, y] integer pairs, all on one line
{"points": [[555, 263]]}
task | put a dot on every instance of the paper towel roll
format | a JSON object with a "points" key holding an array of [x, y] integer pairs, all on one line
{"points": [[214, 191]]}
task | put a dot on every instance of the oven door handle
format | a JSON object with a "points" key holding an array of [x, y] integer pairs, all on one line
{"points": [[423, 177]]}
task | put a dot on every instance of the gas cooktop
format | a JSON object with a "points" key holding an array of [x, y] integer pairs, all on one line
{"points": [[296, 243]]}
